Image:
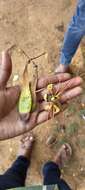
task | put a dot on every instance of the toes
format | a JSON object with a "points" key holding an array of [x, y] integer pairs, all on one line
{"points": [[27, 138], [65, 152]]}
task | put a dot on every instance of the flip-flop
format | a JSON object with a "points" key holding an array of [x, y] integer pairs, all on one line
{"points": [[64, 154]]}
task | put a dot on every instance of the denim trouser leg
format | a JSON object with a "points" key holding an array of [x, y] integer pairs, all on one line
{"points": [[74, 34], [51, 173], [15, 176]]}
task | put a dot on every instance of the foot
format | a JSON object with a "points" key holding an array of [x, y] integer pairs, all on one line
{"points": [[63, 155], [26, 146], [62, 69]]}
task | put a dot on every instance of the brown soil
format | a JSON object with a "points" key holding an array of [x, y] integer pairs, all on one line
{"points": [[38, 26]]}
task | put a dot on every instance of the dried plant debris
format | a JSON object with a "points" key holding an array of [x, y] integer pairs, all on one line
{"points": [[51, 140], [52, 98], [27, 98], [28, 82]]}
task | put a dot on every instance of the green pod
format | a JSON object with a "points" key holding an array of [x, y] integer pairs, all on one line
{"points": [[25, 101]]}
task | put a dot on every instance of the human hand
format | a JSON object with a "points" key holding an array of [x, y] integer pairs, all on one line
{"points": [[11, 126], [8, 95]]}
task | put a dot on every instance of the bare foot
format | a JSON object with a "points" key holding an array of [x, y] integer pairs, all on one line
{"points": [[26, 146], [63, 155], [62, 69]]}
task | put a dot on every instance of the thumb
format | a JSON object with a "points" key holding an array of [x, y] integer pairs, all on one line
{"points": [[5, 68], [8, 100]]}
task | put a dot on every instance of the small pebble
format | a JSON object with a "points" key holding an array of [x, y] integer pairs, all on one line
{"points": [[74, 174], [82, 169], [83, 105], [10, 149], [15, 78], [83, 117]]}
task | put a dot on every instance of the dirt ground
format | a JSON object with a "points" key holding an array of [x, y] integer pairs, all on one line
{"points": [[38, 26]]}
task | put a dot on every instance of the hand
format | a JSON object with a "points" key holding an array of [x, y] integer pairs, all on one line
{"points": [[11, 126], [10, 95]]}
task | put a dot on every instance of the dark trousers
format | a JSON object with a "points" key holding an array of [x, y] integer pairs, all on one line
{"points": [[52, 175], [16, 175]]}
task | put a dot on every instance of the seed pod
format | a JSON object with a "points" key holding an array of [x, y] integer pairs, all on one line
{"points": [[25, 100], [25, 103]]}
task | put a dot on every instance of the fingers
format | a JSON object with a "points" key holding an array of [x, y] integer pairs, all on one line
{"points": [[71, 94], [8, 100], [46, 115], [45, 80], [63, 86], [12, 95], [68, 84], [43, 116], [5, 69]]}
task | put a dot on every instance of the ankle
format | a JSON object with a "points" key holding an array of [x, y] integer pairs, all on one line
{"points": [[62, 68]]}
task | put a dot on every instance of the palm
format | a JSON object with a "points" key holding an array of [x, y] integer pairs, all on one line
{"points": [[11, 125]]}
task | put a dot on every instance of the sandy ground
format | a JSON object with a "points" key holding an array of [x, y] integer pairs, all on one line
{"points": [[38, 26]]}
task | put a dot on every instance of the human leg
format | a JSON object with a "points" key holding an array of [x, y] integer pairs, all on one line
{"points": [[51, 170], [15, 176]]}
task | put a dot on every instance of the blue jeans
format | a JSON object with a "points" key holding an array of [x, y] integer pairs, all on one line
{"points": [[52, 175], [16, 175], [74, 34]]}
